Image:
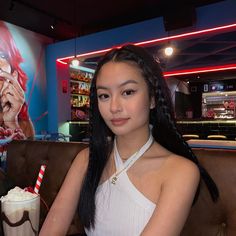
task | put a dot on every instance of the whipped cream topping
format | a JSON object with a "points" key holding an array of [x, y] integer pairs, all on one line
{"points": [[18, 194]]}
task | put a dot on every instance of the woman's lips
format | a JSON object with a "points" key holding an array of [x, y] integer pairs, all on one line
{"points": [[119, 121]]}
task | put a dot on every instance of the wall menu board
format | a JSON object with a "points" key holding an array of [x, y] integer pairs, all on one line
{"points": [[80, 81]]}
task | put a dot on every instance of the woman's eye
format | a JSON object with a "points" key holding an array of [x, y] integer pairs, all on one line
{"points": [[129, 92], [103, 96]]}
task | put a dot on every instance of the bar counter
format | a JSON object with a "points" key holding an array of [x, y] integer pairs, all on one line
{"points": [[206, 127], [206, 121], [212, 144]]}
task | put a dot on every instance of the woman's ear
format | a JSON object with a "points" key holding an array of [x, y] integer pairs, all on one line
{"points": [[152, 103]]}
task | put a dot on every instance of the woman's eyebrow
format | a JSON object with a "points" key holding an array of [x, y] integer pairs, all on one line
{"points": [[130, 81], [101, 87]]}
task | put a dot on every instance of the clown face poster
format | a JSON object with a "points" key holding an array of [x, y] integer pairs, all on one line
{"points": [[23, 104]]}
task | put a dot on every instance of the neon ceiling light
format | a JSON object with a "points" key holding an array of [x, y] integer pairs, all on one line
{"points": [[200, 70], [64, 60], [194, 33]]}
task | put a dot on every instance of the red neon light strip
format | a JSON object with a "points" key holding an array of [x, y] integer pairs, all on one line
{"points": [[179, 36], [200, 70], [60, 60], [194, 33]]}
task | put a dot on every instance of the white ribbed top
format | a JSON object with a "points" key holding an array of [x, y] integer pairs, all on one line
{"points": [[121, 209]]}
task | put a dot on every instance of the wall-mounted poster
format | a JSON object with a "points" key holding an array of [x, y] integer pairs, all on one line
{"points": [[23, 105]]}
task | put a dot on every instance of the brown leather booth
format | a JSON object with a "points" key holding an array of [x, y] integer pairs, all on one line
{"points": [[206, 218], [24, 159], [215, 219]]}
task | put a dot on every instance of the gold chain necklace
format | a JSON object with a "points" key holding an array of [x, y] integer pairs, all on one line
{"points": [[131, 159]]}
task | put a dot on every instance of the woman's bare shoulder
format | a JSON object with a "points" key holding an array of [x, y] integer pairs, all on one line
{"points": [[181, 162], [172, 161], [82, 158], [180, 167]]}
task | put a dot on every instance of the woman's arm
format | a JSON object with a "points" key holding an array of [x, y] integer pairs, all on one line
{"points": [[175, 201], [64, 206]]}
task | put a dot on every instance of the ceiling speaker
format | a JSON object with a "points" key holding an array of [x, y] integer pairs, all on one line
{"points": [[177, 18]]}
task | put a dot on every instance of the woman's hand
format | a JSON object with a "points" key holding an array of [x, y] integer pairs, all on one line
{"points": [[12, 99]]}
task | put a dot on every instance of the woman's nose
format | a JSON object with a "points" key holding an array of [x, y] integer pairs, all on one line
{"points": [[115, 105]]}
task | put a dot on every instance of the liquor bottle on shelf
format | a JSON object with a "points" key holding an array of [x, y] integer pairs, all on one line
{"points": [[80, 87]]}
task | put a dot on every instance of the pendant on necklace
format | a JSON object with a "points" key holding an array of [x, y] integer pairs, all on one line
{"points": [[114, 179]]}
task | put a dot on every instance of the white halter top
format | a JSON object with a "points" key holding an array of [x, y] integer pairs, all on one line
{"points": [[121, 209]]}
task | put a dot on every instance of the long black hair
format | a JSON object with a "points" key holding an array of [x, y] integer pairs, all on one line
{"points": [[162, 119]]}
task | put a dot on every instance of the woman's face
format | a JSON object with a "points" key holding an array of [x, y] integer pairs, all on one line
{"points": [[123, 98]]}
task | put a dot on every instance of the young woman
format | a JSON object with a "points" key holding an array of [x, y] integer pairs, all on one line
{"points": [[14, 118], [138, 177]]}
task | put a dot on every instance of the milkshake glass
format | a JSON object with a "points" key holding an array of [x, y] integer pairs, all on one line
{"points": [[20, 216]]}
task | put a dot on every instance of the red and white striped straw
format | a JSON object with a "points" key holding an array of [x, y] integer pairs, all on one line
{"points": [[40, 178]]}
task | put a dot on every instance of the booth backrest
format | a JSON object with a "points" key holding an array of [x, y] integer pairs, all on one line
{"points": [[24, 159], [206, 218], [215, 219]]}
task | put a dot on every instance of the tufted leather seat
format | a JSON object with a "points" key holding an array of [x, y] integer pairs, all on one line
{"points": [[215, 219], [206, 218]]}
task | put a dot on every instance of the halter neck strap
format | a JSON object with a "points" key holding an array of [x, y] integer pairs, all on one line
{"points": [[133, 158]]}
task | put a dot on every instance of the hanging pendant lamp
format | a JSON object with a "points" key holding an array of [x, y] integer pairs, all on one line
{"points": [[75, 62]]}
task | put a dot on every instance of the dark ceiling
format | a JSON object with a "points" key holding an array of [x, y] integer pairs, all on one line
{"points": [[76, 17]]}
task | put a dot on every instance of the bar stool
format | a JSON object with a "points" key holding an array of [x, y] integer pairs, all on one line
{"points": [[216, 136], [190, 136]]}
